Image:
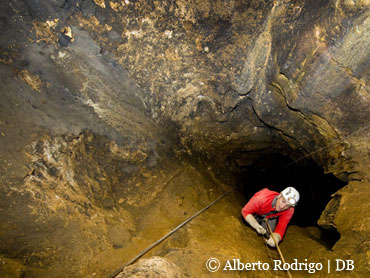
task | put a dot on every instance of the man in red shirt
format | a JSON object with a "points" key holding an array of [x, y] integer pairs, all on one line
{"points": [[278, 208]]}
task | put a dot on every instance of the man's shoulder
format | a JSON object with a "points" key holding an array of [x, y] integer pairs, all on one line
{"points": [[267, 192], [264, 195]]}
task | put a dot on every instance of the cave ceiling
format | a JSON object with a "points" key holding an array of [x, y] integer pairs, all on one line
{"points": [[228, 75]]}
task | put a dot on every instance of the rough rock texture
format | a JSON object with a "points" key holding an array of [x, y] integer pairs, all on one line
{"points": [[153, 267], [120, 119]]}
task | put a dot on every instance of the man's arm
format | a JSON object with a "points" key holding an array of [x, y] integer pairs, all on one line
{"points": [[252, 207], [283, 222], [253, 222]]}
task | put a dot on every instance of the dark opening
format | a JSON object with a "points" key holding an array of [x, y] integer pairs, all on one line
{"points": [[314, 186]]}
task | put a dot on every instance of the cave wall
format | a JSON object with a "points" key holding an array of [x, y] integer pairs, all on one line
{"points": [[104, 98], [288, 75]]}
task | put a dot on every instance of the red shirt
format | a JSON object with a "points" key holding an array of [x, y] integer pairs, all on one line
{"points": [[261, 203]]}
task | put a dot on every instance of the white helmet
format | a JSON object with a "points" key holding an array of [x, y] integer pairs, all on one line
{"points": [[291, 195]]}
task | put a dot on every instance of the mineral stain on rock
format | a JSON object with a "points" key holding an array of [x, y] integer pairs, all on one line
{"points": [[121, 119]]}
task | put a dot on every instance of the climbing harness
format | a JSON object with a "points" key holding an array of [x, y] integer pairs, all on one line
{"points": [[277, 246], [116, 272]]}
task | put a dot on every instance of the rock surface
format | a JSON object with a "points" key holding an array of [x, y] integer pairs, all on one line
{"points": [[120, 119], [155, 267]]}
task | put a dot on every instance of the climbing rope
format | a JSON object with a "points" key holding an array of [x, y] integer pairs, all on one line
{"points": [[276, 245], [115, 273], [269, 252], [272, 254]]}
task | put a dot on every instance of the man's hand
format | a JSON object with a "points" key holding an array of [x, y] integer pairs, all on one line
{"points": [[253, 222], [261, 230], [271, 241]]}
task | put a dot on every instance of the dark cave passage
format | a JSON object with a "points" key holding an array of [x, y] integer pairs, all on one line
{"points": [[276, 172], [120, 120]]}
